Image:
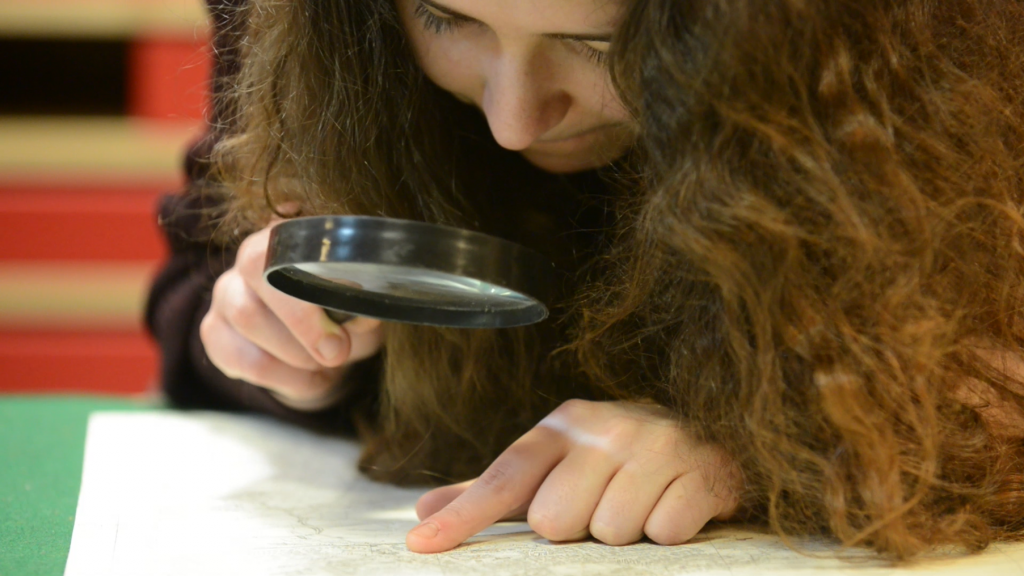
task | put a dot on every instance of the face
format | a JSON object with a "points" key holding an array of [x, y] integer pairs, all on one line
{"points": [[534, 67]]}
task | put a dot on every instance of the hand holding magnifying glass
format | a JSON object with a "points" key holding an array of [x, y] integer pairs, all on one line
{"points": [[359, 270], [253, 332]]}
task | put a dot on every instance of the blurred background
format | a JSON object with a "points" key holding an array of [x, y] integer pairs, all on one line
{"points": [[98, 101]]}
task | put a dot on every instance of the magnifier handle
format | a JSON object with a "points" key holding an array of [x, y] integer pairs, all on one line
{"points": [[338, 316]]}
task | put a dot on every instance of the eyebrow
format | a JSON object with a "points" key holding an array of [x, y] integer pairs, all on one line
{"points": [[557, 36]]}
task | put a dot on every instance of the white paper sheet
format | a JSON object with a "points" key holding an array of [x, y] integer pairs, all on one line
{"points": [[216, 494]]}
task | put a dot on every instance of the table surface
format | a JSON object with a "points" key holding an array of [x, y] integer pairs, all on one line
{"points": [[41, 449]]}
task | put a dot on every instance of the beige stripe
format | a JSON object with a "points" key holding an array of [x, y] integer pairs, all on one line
{"points": [[111, 19], [109, 149], [73, 295]]}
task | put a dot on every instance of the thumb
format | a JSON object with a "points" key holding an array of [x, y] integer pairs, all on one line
{"points": [[285, 210]]}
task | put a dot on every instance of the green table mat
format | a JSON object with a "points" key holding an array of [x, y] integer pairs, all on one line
{"points": [[41, 447]]}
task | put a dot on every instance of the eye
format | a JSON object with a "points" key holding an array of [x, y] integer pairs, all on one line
{"points": [[596, 52], [435, 21]]}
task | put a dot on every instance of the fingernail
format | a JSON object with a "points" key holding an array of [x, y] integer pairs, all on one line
{"points": [[330, 347], [427, 530]]}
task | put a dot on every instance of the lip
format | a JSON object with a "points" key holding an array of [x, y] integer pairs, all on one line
{"points": [[583, 151], [573, 138]]}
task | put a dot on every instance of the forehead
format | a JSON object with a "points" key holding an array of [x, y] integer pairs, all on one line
{"points": [[540, 16]]}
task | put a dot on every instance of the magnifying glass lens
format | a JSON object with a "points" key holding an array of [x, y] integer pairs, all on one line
{"points": [[429, 286], [406, 271]]}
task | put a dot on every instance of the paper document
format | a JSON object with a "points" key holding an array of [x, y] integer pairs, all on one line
{"points": [[195, 494]]}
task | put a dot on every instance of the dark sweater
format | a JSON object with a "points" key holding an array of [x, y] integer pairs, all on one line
{"points": [[180, 295]]}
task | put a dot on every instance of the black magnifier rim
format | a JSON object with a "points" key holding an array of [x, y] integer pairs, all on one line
{"points": [[411, 244]]}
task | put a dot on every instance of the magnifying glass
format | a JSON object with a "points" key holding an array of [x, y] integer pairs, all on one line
{"points": [[407, 271]]}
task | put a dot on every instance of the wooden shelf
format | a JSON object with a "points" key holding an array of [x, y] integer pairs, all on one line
{"points": [[92, 361], [111, 150], [99, 223], [108, 19], [79, 244], [74, 294]]}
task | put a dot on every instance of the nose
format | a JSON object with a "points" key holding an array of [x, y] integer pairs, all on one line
{"points": [[521, 102]]}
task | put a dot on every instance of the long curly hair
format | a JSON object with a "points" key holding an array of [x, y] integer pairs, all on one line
{"points": [[824, 272], [813, 256], [329, 111]]}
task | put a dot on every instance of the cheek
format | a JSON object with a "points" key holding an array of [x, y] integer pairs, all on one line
{"points": [[602, 99], [446, 60], [449, 63], [590, 86]]}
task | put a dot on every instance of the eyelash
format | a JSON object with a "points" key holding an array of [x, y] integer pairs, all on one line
{"points": [[434, 23], [596, 56]]}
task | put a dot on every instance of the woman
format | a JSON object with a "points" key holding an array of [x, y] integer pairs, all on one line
{"points": [[790, 233]]}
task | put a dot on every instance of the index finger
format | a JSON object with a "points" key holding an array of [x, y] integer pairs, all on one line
{"points": [[325, 342], [509, 482]]}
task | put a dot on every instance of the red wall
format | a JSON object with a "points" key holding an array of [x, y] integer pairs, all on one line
{"points": [[46, 221]]}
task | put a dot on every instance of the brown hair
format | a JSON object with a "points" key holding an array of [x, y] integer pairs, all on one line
{"points": [[820, 255], [329, 110], [828, 246]]}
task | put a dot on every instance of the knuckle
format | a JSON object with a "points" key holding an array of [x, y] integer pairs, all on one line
{"points": [[610, 532], [454, 514], [436, 500], [573, 408], [322, 382], [208, 336], [245, 253], [300, 389], [227, 289], [620, 436], [254, 365], [664, 533], [251, 255], [656, 458], [723, 480], [364, 345], [668, 440], [728, 500], [219, 286], [550, 525], [252, 247], [224, 362], [304, 321], [547, 524], [207, 327], [499, 477], [303, 360], [244, 311]]}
